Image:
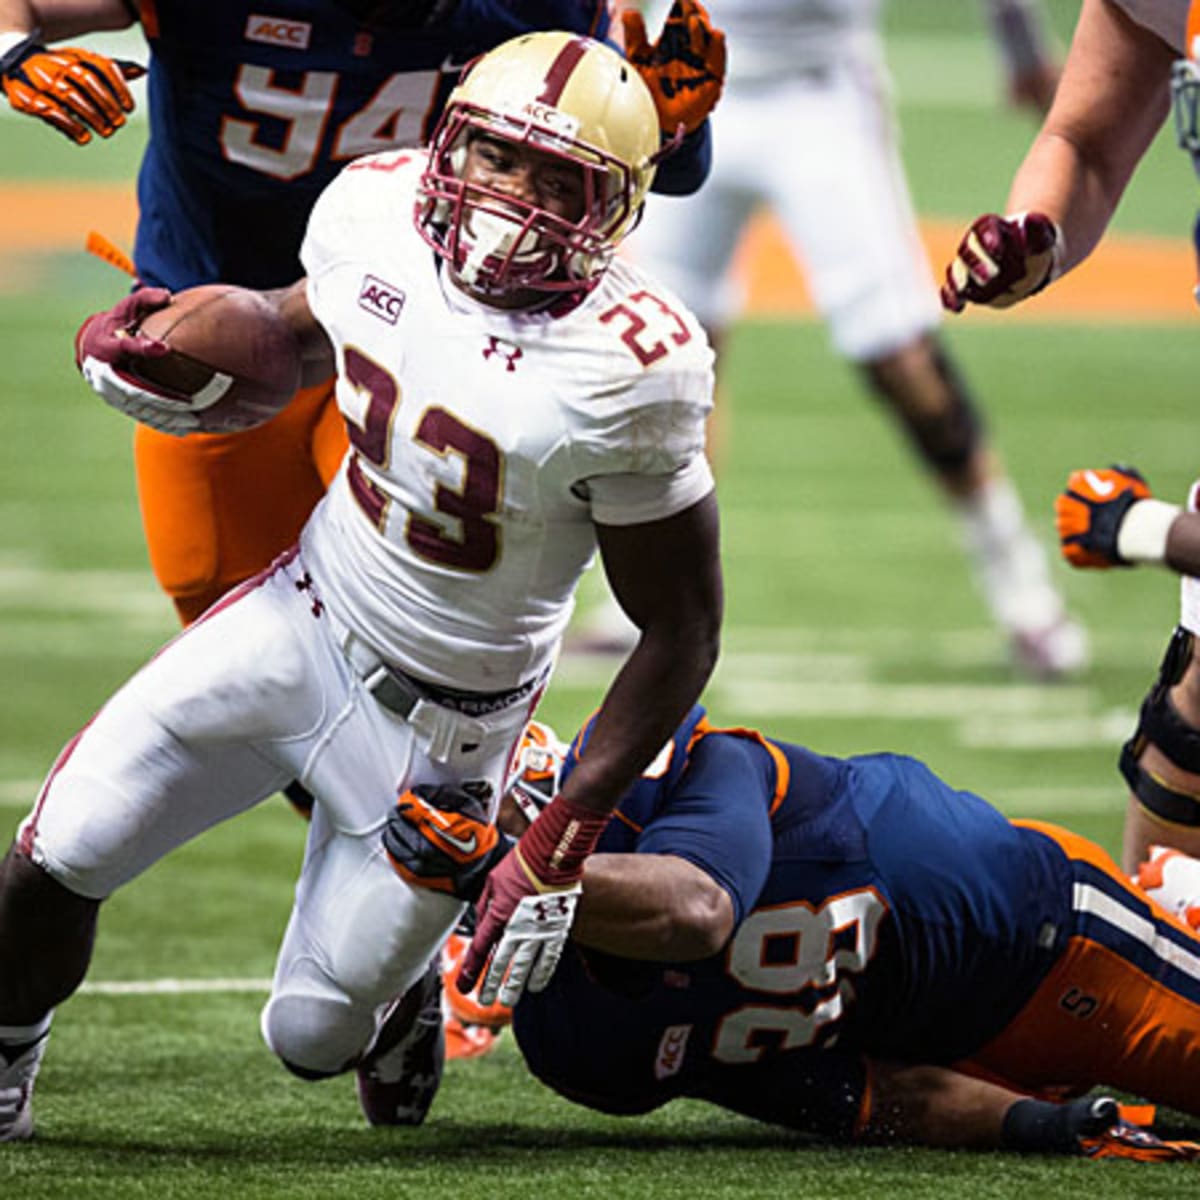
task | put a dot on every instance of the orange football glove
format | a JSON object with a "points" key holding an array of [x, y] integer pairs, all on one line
{"points": [[1132, 1141], [1089, 512], [439, 837], [74, 90], [684, 69]]}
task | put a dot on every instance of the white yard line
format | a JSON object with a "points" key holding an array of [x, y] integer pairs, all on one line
{"points": [[173, 987]]}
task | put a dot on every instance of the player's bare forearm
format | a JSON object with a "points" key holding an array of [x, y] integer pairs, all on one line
{"points": [[60, 19], [1111, 101], [316, 351], [652, 907], [934, 1106], [667, 577], [1183, 544]]}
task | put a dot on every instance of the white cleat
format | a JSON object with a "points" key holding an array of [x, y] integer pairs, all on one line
{"points": [[16, 1089], [1060, 650], [1013, 573]]}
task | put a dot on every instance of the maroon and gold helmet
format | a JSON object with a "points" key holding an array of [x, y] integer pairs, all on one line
{"points": [[566, 96]]}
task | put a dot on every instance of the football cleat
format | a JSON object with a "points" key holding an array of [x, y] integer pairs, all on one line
{"points": [[465, 1041], [1056, 651], [18, 1069], [467, 1009], [1172, 879], [1141, 1145], [400, 1075], [1012, 571]]}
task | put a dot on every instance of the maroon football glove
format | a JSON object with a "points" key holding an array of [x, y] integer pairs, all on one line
{"points": [[112, 336], [75, 90], [1001, 260], [528, 903], [108, 350]]}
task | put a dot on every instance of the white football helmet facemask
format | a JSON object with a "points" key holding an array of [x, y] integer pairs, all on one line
{"points": [[569, 98]]}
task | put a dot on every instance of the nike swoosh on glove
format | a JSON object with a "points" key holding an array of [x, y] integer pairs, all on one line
{"points": [[1089, 513], [439, 837]]}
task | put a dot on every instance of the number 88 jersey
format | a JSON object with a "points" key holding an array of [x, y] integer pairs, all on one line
{"points": [[485, 444]]}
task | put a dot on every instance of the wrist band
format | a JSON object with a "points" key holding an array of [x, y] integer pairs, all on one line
{"points": [[1142, 537], [17, 39]]}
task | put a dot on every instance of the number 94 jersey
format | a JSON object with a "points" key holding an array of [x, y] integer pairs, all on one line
{"points": [[485, 444], [254, 108]]}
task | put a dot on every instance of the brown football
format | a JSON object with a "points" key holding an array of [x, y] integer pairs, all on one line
{"points": [[236, 332]]}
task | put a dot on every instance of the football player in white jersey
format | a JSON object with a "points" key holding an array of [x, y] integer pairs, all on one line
{"points": [[810, 75], [514, 400], [1127, 59]]}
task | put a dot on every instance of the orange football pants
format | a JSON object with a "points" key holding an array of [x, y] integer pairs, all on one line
{"points": [[1120, 1008], [218, 508]]}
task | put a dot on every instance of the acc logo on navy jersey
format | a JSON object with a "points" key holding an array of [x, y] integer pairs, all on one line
{"points": [[276, 31]]}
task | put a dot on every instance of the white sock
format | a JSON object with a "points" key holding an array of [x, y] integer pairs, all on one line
{"points": [[1010, 564]]}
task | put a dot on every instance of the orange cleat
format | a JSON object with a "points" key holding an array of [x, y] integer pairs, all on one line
{"points": [[468, 1041], [467, 1008]]}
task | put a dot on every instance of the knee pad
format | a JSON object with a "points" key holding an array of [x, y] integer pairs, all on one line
{"points": [[948, 438], [1159, 723], [314, 1036]]}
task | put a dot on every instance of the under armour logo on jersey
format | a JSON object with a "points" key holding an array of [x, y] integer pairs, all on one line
{"points": [[505, 350], [276, 31], [381, 299]]}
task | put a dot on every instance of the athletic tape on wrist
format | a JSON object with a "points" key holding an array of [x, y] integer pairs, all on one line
{"points": [[1142, 537]]}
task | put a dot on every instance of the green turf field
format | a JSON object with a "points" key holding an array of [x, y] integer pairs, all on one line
{"points": [[852, 625]]}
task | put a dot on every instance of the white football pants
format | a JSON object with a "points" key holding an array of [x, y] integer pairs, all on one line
{"points": [[255, 694]]}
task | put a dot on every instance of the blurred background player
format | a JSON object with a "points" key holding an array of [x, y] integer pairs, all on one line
{"points": [[499, 417], [1126, 59], [852, 947], [805, 128]]}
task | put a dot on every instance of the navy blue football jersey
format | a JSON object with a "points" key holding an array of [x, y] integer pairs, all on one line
{"points": [[254, 108], [880, 912]]}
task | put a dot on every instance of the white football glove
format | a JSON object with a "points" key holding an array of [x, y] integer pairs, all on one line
{"points": [[167, 414], [531, 945]]}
